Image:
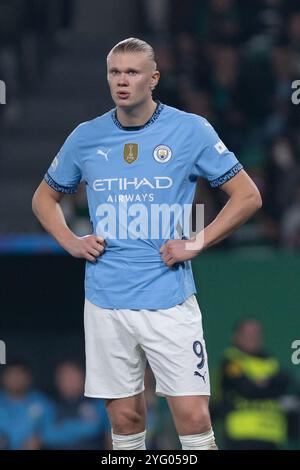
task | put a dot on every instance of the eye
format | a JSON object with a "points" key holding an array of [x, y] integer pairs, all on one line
{"points": [[132, 72], [114, 72]]}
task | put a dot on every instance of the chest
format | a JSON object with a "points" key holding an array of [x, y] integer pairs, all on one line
{"points": [[136, 155]]}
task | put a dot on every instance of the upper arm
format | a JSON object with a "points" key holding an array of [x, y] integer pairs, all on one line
{"points": [[64, 174], [213, 160], [241, 184], [44, 192]]}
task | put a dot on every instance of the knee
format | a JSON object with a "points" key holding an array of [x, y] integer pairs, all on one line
{"points": [[200, 421], [197, 421], [128, 422]]}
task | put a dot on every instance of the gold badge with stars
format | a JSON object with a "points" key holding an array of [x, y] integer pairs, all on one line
{"points": [[130, 153]]}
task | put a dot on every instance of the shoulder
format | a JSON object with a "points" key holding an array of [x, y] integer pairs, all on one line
{"points": [[184, 116], [94, 125], [191, 121]]}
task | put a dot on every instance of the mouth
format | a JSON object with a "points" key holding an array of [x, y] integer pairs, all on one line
{"points": [[123, 95]]}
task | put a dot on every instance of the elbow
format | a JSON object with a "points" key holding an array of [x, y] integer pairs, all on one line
{"points": [[258, 200], [34, 204], [255, 200]]}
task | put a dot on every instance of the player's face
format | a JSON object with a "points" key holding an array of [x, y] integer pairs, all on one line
{"points": [[130, 77]]}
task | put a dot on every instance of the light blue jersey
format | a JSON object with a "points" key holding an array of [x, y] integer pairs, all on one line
{"points": [[133, 177]]}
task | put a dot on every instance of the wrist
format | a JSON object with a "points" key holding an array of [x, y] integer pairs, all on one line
{"points": [[67, 239], [197, 243]]}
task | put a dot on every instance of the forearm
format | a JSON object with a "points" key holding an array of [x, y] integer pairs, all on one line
{"points": [[51, 216], [236, 212]]}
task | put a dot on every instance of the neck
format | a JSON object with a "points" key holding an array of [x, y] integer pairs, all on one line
{"points": [[137, 115]]}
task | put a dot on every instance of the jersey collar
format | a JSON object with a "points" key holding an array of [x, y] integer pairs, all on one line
{"points": [[154, 117]]}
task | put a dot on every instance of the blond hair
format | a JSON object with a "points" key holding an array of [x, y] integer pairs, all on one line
{"points": [[133, 45]]}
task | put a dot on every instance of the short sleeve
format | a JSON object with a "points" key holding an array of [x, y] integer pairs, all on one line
{"points": [[64, 173], [214, 161]]}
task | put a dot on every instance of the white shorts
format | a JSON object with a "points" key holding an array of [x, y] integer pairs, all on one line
{"points": [[118, 343]]}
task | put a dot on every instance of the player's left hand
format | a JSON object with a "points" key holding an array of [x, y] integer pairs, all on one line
{"points": [[177, 251]]}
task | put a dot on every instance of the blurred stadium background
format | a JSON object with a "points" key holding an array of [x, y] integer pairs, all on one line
{"points": [[228, 60]]}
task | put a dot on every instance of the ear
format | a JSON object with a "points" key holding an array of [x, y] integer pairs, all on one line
{"points": [[154, 79]]}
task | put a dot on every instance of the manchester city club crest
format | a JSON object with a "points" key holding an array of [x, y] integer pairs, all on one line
{"points": [[130, 153], [162, 153]]}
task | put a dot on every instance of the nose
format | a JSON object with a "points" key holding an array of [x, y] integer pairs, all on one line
{"points": [[123, 79]]}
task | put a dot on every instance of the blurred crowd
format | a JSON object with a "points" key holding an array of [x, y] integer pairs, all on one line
{"points": [[255, 404], [31, 420], [62, 418], [28, 40]]}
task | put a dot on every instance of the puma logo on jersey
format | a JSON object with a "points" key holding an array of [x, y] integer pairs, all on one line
{"points": [[103, 153]]}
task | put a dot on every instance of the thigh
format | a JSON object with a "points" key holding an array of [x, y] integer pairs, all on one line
{"points": [[175, 348], [115, 362]]}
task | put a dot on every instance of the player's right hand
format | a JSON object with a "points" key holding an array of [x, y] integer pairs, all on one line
{"points": [[88, 247]]}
